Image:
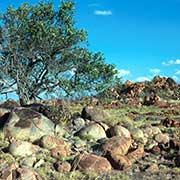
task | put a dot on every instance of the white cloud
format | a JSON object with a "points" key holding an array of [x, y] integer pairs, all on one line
{"points": [[103, 12], [175, 78], [177, 72], [171, 62], [123, 72], [140, 79], [155, 71]]}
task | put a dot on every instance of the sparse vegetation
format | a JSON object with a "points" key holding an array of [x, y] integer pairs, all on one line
{"points": [[102, 130]]}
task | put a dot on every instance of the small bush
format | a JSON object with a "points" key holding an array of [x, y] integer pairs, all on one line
{"points": [[58, 111]]}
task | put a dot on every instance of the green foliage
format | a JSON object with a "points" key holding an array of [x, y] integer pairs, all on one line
{"points": [[42, 51], [59, 112]]}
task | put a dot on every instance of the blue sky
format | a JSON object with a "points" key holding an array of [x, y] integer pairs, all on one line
{"points": [[142, 37]]}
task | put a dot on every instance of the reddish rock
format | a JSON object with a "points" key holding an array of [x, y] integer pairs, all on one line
{"points": [[136, 154], [117, 145], [128, 83], [119, 161], [115, 149], [90, 162], [60, 151], [153, 168], [155, 150], [50, 142]]}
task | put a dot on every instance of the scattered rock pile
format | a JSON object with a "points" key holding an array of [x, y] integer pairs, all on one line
{"points": [[155, 92], [33, 141]]}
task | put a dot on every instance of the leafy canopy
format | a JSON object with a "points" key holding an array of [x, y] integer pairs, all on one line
{"points": [[42, 51]]}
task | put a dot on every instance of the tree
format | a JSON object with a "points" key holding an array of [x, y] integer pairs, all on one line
{"points": [[41, 50]]}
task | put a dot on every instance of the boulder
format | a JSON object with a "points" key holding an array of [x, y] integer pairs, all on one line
{"points": [[151, 100], [38, 107], [57, 146], [119, 130], [26, 124], [117, 145], [115, 150], [91, 162], [94, 113], [92, 131], [22, 148], [28, 174]]}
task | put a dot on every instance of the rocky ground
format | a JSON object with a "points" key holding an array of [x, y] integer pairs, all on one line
{"points": [[90, 141]]}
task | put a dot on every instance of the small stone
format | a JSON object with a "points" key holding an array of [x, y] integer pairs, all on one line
{"points": [[150, 131], [79, 123], [156, 150], [162, 138], [7, 169], [137, 134], [79, 143], [60, 151], [59, 131], [153, 168], [28, 161], [62, 167], [50, 142], [150, 144]]}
